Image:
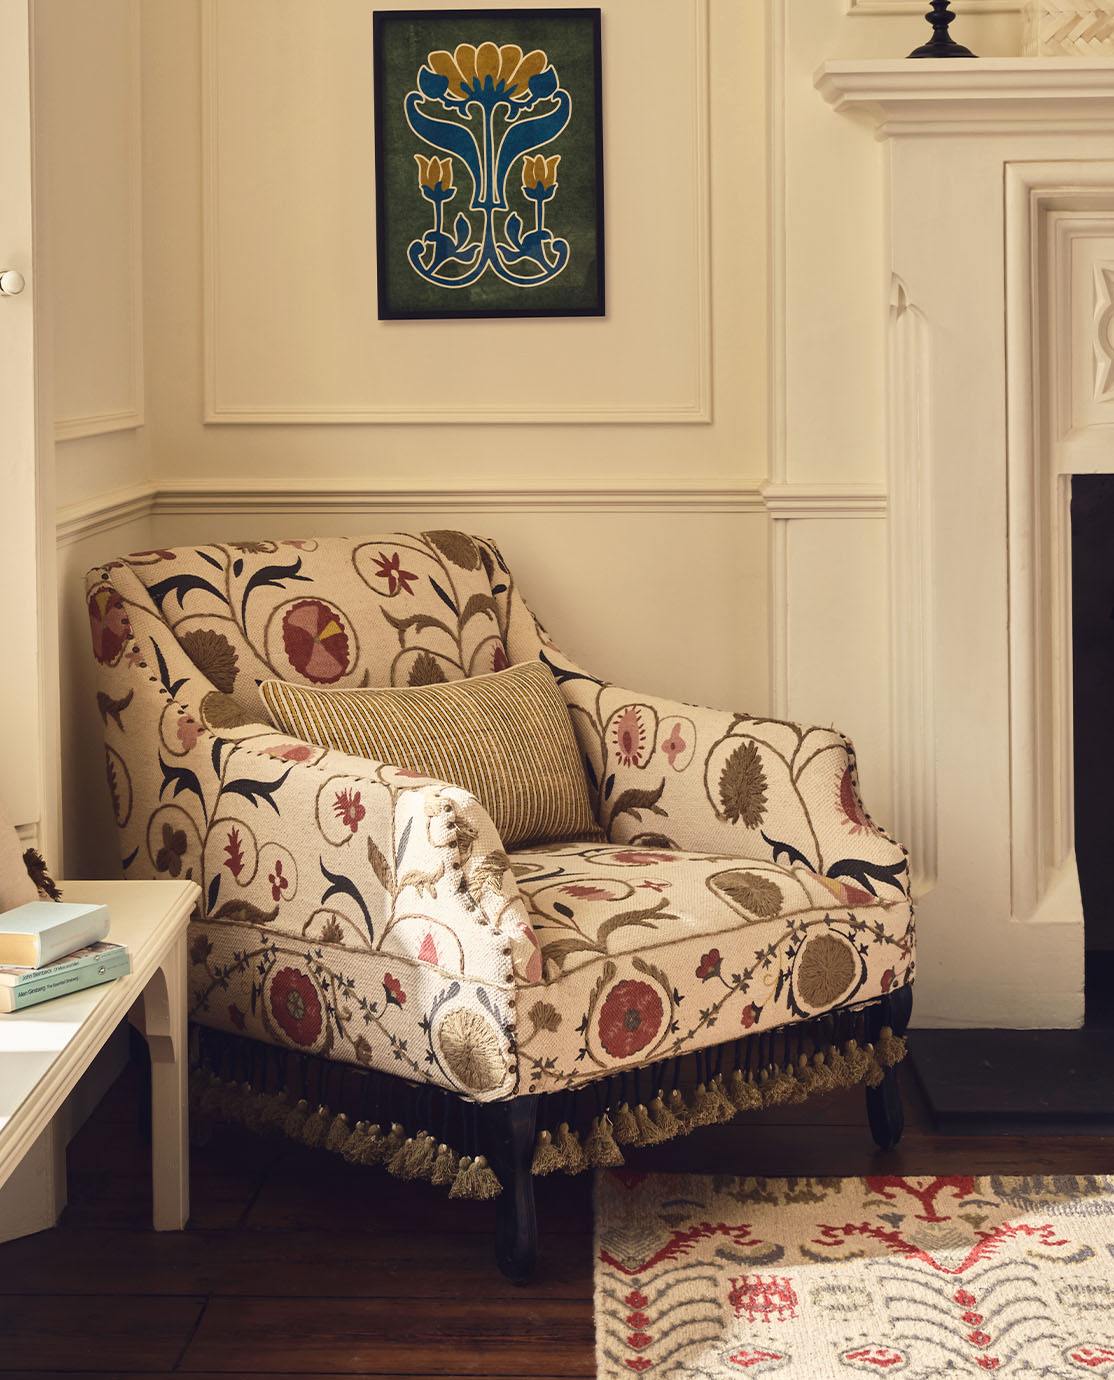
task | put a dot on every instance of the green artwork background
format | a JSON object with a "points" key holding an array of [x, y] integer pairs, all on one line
{"points": [[405, 215]]}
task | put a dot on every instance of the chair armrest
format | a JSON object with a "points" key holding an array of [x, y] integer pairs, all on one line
{"points": [[391, 857], [665, 773]]}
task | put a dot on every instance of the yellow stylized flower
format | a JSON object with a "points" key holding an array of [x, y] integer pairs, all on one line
{"points": [[435, 172], [540, 171], [468, 69]]}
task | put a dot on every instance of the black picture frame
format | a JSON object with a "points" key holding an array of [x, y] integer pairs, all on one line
{"points": [[399, 299]]}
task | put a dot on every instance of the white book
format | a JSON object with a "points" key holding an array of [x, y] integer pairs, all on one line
{"points": [[42, 931]]}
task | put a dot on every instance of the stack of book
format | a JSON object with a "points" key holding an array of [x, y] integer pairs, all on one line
{"points": [[51, 948]]}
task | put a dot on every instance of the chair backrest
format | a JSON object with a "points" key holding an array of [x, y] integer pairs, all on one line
{"points": [[401, 609]]}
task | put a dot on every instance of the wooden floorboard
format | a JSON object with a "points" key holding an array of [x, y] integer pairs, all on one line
{"points": [[299, 1264]]}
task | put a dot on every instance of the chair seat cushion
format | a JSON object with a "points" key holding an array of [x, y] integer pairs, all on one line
{"points": [[648, 953]]}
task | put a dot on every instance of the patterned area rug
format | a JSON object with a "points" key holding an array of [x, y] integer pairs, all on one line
{"points": [[707, 1276]]}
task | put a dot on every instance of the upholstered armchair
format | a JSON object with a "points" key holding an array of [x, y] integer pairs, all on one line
{"points": [[371, 970]]}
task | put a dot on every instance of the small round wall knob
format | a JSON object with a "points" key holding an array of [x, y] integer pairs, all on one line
{"points": [[11, 283]]}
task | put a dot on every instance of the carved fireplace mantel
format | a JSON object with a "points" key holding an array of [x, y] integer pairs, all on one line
{"points": [[1000, 224]]}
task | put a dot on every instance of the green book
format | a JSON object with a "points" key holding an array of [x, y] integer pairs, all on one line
{"points": [[70, 978]]}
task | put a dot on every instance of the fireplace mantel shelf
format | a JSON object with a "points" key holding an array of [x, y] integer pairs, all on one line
{"points": [[965, 96]]}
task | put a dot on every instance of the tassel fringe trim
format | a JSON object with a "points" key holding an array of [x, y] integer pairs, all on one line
{"points": [[420, 1156]]}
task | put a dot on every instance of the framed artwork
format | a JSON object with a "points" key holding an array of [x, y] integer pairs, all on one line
{"points": [[488, 163]]}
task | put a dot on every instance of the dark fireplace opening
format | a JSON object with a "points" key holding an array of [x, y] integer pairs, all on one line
{"points": [[1092, 570]]}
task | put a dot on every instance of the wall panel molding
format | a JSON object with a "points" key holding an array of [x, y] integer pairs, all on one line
{"points": [[782, 502], [219, 410], [131, 416]]}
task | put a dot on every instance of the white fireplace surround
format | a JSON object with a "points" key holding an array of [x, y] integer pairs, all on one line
{"points": [[1000, 209]]}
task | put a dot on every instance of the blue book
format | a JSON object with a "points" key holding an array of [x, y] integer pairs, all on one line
{"points": [[40, 932], [46, 986]]}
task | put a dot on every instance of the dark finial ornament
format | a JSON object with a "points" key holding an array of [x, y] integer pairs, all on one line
{"points": [[941, 44]]}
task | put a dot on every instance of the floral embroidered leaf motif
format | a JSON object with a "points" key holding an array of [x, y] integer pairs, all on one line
{"points": [[182, 779], [113, 709], [331, 931], [792, 855], [213, 655], [379, 865], [560, 950], [345, 886], [487, 875], [863, 872], [471, 1047], [233, 853], [222, 711], [180, 586], [171, 687], [457, 547], [545, 1016], [273, 577], [634, 801], [425, 671], [418, 621], [742, 787], [444, 596], [214, 892], [255, 791], [642, 919], [241, 912], [478, 603], [400, 848], [826, 968], [760, 895]]}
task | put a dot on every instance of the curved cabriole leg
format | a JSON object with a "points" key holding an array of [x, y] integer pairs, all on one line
{"points": [[509, 1136], [883, 1103]]}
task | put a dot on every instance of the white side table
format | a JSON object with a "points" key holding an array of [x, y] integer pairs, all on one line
{"points": [[45, 1049]]}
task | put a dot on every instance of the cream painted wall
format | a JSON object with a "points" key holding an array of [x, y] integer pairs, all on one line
{"points": [[89, 218]]}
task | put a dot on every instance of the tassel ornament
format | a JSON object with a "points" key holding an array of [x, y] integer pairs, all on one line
{"points": [[316, 1128], [475, 1179], [665, 1123], [569, 1148], [444, 1169], [626, 1126], [601, 1150], [296, 1119], [547, 1158]]}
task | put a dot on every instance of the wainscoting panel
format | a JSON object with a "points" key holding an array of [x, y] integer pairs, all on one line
{"points": [[288, 222], [88, 146]]}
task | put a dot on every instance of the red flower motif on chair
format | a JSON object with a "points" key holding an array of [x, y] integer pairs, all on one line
{"points": [[349, 808], [389, 568], [629, 734], [279, 882], [315, 639], [392, 990], [674, 746], [630, 1018], [296, 1005], [108, 625], [709, 965]]}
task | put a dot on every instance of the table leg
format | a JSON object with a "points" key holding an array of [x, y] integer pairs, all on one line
{"points": [[164, 1027]]}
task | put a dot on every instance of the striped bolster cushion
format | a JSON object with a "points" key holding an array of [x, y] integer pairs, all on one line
{"points": [[505, 737]]}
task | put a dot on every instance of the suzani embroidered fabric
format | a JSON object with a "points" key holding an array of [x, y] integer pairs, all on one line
{"points": [[357, 911]]}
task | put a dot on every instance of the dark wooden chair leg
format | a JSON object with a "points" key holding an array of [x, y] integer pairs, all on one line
{"points": [[509, 1139], [883, 1103]]}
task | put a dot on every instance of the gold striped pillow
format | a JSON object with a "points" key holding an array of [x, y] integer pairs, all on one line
{"points": [[506, 737]]}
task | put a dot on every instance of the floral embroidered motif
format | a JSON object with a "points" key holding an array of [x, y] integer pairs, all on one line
{"points": [[630, 1018], [296, 1005]]}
